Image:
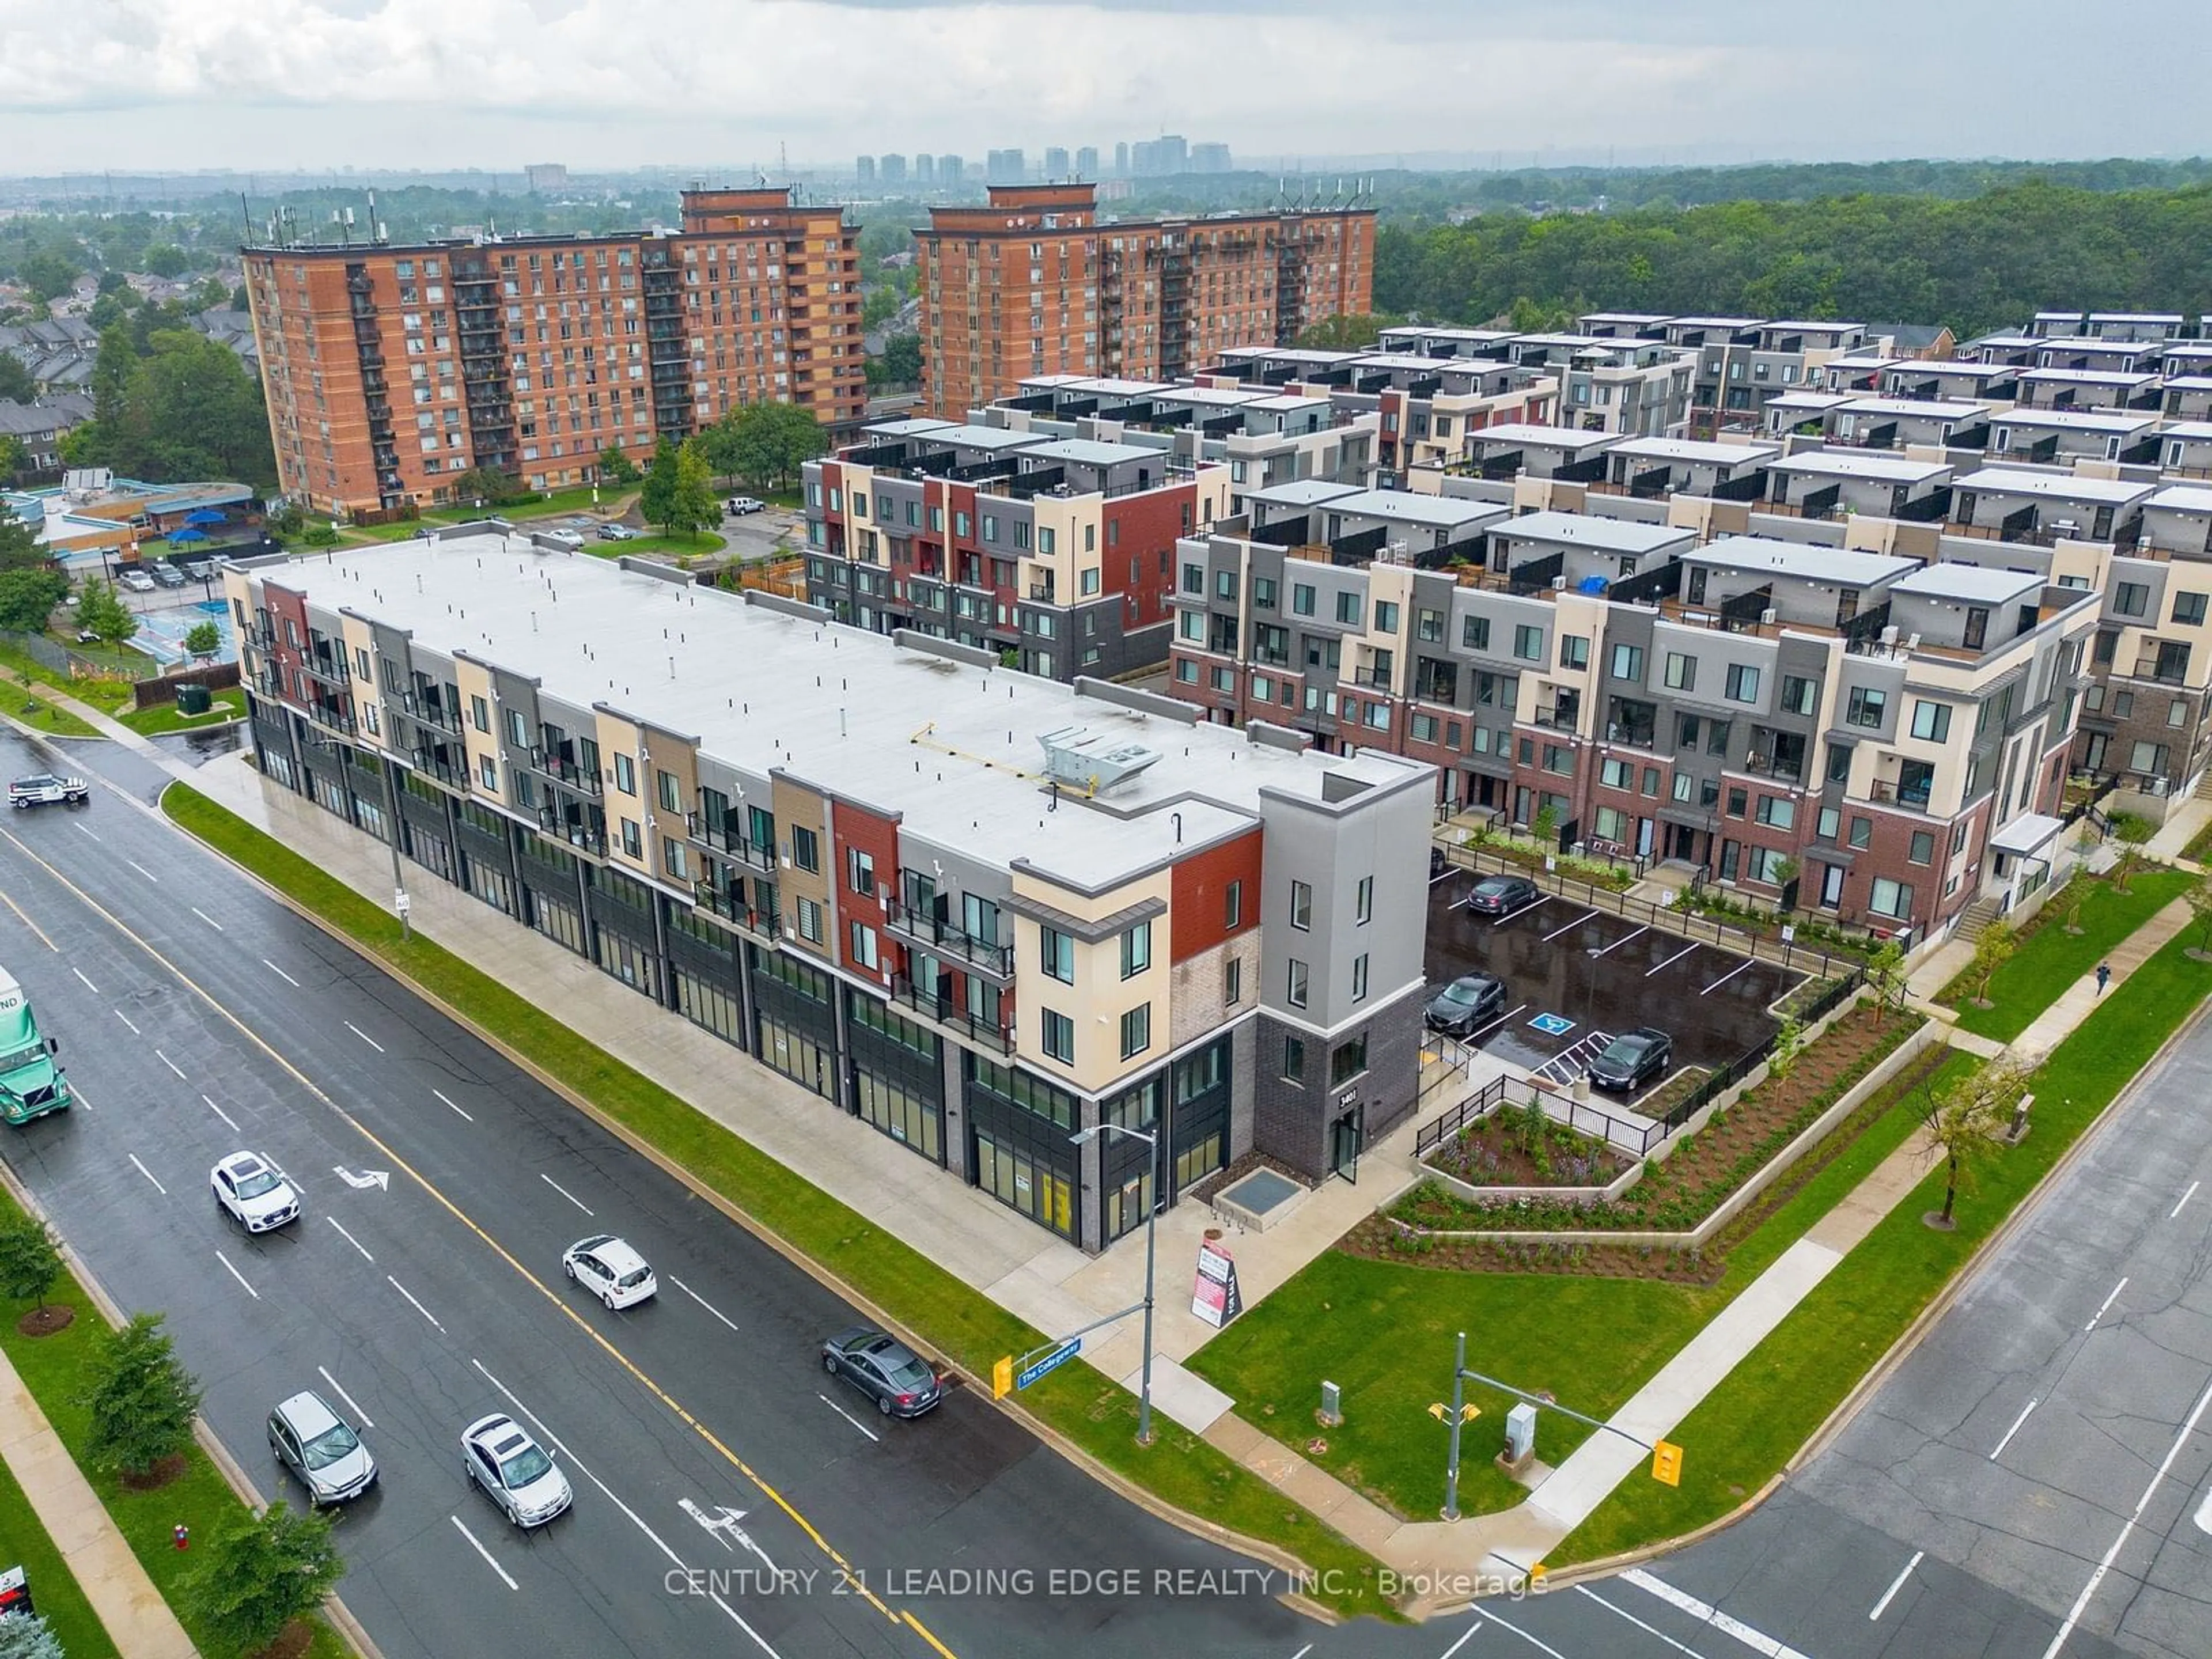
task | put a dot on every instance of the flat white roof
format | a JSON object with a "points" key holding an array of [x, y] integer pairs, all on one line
{"points": [[1866, 360], [2092, 345], [1302, 492], [1211, 396], [1815, 401], [1090, 451], [1544, 437], [1955, 366], [2189, 383], [1402, 506], [2056, 486], [1113, 386], [2182, 498], [1695, 452], [2088, 376], [1803, 560], [2027, 834], [1422, 331], [1717, 322], [2080, 420], [2173, 317], [1861, 463], [1408, 360], [1814, 327], [910, 427], [1951, 580], [1284, 402], [1624, 317], [2193, 431], [1917, 409], [985, 437], [953, 749], [1601, 535]]}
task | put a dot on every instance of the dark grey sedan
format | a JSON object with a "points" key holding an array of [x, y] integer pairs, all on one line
{"points": [[884, 1369], [1632, 1060], [1465, 1003], [1501, 896]]}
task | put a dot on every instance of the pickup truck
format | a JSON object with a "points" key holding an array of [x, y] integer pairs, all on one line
{"points": [[45, 789]]}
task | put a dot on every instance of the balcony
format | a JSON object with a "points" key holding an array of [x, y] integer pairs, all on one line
{"points": [[764, 925], [1914, 795], [332, 718], [940, 1012], [562, 769], [1785, 767], [942, 938]]}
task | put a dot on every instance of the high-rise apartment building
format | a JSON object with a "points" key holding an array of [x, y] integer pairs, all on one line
{"points": [[1086, 163], [1033, 284], [951, 172], [390, 370], [891, 169], [1160, 157], [925, 168], [1005, 167], [864, 171], [1121, 160], [1056, 162], [1209, 158]]}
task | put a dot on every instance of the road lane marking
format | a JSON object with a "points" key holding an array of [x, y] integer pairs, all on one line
{"points": [[125, 1018], [566, 1194], [2082, 1602], [207, 918], [1897, 1582], [2186, 1197], [288, 980], [1672, 960], [923, 1631], [82, 830], [142, 870], [1726, 977], [417, 1306], [220, 1113], [360, 1415], [440, 1094], [239, 1276], [147, 1173], [583, 1328], [485, 1553], [1651, 1630], [2106, 1303], [28, 923], [88, 985], [702, 1300], [1997, 1450], [351, 1240], [1757, 1640], [172, 1065], [848, 1416], [364, 1037], [1541, 1646], [1302, 1652], [1571, 927], [1622, 940]]}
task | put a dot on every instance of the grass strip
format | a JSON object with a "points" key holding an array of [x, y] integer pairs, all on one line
{"points": [[55, 1370], [1383, 1332], [229, 704], [951, 1318], [24, 1542], [2049, 958], [1772, 1403]]}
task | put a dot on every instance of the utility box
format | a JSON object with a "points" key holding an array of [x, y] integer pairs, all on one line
{"points": [[193, 700], [1520, 1437]]}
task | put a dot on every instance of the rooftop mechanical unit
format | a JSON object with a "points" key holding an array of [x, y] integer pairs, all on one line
{"points": [[1077, 755]]}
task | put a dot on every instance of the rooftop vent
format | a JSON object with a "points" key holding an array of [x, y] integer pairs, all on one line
{"points": [[1076, 754]]}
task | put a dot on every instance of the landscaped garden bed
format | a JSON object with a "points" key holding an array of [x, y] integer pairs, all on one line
{"points": [[1524, 1147]]}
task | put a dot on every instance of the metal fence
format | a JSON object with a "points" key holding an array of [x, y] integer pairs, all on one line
{"points": [[60, 659]]}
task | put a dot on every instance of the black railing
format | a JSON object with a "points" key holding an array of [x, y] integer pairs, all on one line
{"points": [[944, 938], [932, 1005]]}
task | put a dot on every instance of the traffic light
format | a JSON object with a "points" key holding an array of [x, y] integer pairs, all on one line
{"points": [[1667, 1463], [1002, 1377]]}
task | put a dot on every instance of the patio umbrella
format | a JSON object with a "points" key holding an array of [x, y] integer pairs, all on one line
{"points": [[178, 538], [205, 515]]}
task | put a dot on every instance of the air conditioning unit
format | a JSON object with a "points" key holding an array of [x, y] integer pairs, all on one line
{"points": [[1889, 635], [1766, 618], [1558, 583]]}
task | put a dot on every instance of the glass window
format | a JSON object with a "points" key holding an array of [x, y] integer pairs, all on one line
{"points": [[1890, 898], [1923, 848], [1136, 1030], [1743, 683], [1386, 616], [1799, 695], [1137, 950], [626, 774], [1627, 663], [1351, 609], [1301, 905], [1529, 642], [1865, 707], [1295, 987], [1681, 672], [1862, 832], [1059, 1037], [1363, 901], [1348, 1061], [1294, 1061], [1359, 977], [2188, 608], [1574, 651], [1931, 721], [1302, 598], [805, 849], [1474, 633], [1056, 954]]}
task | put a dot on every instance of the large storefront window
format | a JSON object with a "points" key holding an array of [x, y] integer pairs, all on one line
{"points": [[1013, 1175], [1199, 1140], [276, 763], [705, 1003], [634, 964], [561, 923], [905, 1116], [494, 886], [433, 852], [806, 1062], [1018, 1138]]}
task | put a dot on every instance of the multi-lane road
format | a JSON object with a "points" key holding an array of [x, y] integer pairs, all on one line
{"points": [[2035, 1472]]}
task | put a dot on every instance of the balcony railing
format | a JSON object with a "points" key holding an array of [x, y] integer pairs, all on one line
{"points": [[1775, 766], [561, 769], [943, 938], [939, 1010], [731, 906], [1890, 794]]}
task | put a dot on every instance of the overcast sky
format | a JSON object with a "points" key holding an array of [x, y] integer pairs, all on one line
{"points": [[719, 84]]}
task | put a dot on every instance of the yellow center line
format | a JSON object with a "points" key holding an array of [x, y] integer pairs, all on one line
{"points": [[25, 919], [853, 1576]]}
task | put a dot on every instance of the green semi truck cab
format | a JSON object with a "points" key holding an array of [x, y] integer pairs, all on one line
{"points": [[31, 1084]]}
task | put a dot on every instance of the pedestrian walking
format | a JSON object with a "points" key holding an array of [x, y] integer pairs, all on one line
{"points": [[2104, 976]]}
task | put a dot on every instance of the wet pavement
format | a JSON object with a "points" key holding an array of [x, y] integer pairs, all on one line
{"points": [[1576, 978]]}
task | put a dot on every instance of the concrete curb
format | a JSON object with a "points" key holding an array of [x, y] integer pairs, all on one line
{"points": [[1196, 1526]]}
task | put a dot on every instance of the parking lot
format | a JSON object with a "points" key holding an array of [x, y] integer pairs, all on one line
{"points": [[1576, 977]]}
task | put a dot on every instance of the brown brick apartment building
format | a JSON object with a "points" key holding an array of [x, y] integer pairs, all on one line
{"points": [[1033, 283], [390, 370]]}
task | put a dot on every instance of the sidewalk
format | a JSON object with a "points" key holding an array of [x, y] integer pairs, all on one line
{"points": [[121, 1593]]}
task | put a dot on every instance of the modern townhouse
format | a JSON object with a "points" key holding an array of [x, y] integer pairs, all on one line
{"points": [[1952, 379], [1881, 737], [2066, 435], [1820, 483], [978, 910], [2185, 447], [2089, 388], [1905, 423], [2147, 719]]}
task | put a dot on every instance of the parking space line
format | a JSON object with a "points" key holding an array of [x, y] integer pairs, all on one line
{"points": [[1997, 1449], [239, 1276], [846, 1415], [142, 870], [2186, 1197], [1622, 940], [1465, 1637], [1757, 1640], [1672, 960], [147, 1173], [485, 1553], [207, 918], [1652, 1630], [288, 980], [1539, 1645], [1571, 927], [1483, 1031], [1726, 977], [220, 1113], [360, 1415], [1897, 1582], [364, 1037], [125, 1018], [702, 1300]]}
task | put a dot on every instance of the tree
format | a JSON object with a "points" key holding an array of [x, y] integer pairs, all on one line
{"points": [[487, 486], [657, 501], [1348, 331], [100, 608], [142, 1401], [30, 1260], [694, 505], [900, 364], [1962, 1120], [1886, 973], [19, 548], [49, 274], [765, 444], [240, 300], [27, 598], [210, 295], [112, 282], [2200, 900], [260, 1573], [616, 468], [27, 1636], [106, 311], [17, 385], [1991, 952], [13, 456], [203, 639], [2131, 830], [1789, 1045], [164, 259]]}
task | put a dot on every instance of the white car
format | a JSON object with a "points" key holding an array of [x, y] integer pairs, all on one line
{"points": [[514, 1470], [44, 788], [135, 578], [254, 1192], [741, 505], [321, 1449], [563, 538], [610, 1269]]}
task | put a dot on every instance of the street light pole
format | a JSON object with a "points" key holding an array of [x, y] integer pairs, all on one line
{"points": [[1152, 1217]]}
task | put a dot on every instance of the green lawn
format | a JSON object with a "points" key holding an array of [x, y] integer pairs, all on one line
{"points": [[230, 705], [1773, 1402], [705, 542], [53, 1368], [1383, 1332], [954, 1320], [24, 1542], [2049, 958], [42, 716]]}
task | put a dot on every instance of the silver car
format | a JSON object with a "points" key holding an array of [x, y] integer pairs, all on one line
{"points": [[514, 1470], [321, 1449]]}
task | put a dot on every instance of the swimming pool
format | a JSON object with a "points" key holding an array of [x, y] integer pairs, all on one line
{"points": [[161, 634]]}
